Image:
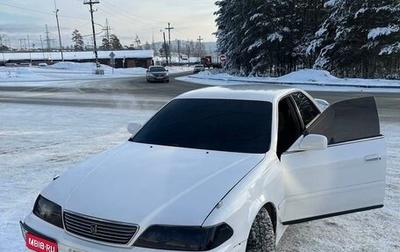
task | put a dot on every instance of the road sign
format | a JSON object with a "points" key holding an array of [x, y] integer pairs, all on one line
{"points": [[112, 55], [222, 57]]}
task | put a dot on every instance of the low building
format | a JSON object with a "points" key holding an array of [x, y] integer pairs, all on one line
{"points": [[122, 59]]}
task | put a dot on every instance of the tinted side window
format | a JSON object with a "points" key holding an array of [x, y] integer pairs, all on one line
{"points": [[307, 108], [289, 126], [348, 120]]}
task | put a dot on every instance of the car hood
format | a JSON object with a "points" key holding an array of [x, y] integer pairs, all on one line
{"points": [[145, 184]]}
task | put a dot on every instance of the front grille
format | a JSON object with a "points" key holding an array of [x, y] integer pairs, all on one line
{"points": [[100, 230]]}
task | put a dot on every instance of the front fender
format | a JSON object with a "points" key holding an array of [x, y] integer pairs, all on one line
{"points": [[262, 185]]}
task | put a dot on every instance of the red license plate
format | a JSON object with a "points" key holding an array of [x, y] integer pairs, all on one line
{"points": [[39, 244]]}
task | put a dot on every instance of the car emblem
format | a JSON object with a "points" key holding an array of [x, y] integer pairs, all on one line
{"points": [[93, 229]]}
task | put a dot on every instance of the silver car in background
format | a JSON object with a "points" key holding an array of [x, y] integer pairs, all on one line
{"points": [[198, 69], [157, 73]]}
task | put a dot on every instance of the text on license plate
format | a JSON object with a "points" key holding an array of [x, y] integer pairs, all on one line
{"points": [[39, 244]]}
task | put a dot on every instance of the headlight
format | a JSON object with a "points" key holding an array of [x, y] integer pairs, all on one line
{"points": [[48, 211], [184, 237]]}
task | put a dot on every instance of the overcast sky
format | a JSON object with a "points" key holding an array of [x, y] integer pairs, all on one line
{"points": [[20, 19]]}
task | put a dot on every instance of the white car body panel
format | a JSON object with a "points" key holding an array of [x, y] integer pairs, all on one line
{"points": [[317, 185], [147, 184], [193, 174], [263, 184]]}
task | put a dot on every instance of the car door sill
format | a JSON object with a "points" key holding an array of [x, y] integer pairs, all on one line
{"points": [[331, 215]]}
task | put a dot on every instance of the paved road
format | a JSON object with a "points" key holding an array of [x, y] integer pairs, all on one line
{"points": [[97, 93], [122, 92]]}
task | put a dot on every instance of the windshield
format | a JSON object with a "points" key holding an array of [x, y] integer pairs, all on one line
{"points": [[212, 124], [157, 69]]}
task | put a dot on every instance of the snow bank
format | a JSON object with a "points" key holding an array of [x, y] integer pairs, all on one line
{"points": [[308, 79], [309, 75]]}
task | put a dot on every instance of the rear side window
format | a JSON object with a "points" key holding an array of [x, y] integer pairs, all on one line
{"points": [[348, 120], [307, 108], [212, 124]]}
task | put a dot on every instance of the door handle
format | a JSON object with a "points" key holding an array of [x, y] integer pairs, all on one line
{"points": [[373, 157]]}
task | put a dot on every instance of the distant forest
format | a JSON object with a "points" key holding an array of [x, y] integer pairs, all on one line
{"points": [[349, 38]]}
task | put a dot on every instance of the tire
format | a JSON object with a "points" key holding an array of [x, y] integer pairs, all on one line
{"points": [[261, 236]]}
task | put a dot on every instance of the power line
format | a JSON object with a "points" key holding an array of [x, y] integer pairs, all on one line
{"points": [[21, 8], [127, 16], [42, 12]]}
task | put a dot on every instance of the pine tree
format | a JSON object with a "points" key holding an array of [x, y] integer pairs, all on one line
{"points": [[147, 46], [347, 37], [383, 38], [78, 41], [115, 43], [105, 44], [112, 44], [266, 36], [358, 36]]}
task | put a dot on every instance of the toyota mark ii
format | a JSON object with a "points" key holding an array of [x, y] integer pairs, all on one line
{"points": [[217, 169]]}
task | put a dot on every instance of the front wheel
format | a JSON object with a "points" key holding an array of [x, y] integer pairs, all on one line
{"points": [[262, 236]]}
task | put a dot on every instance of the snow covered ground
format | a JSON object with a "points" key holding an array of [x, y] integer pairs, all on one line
{"points": [[37, 142], [307, 79]]}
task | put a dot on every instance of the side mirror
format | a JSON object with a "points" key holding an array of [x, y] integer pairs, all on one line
{"points": [[134, 127], [313, 142]]}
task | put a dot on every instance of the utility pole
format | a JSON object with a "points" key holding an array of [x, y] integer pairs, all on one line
{"points": [[41, 42], [169, 28], [200, 39], [165, 47], [59, 33], [48, 39], [22, 44], [2, 48], [107, 29], [29, 49], [179, 51], [91, 3]]}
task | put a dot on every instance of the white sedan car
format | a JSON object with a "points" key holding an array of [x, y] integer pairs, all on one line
{"points": [[217, 169]]}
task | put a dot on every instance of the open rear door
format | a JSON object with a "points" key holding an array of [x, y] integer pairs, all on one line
{"points": [[347, 176]]}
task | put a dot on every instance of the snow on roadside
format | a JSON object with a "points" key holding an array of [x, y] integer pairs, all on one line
{"points": [[308, 79], [66, 71]]}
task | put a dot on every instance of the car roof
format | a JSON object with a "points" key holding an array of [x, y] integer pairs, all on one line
{"points": [[256, 92]]}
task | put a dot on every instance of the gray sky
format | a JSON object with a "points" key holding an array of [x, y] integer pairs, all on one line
{"points": [[127, 19]]}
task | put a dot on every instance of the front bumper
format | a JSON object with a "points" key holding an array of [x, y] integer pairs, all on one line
{"points": [[46, 233], [157, 78], [41, 231]]}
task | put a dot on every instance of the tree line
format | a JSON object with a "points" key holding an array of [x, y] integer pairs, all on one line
{"points": [[349, 38], [112, 42]]}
